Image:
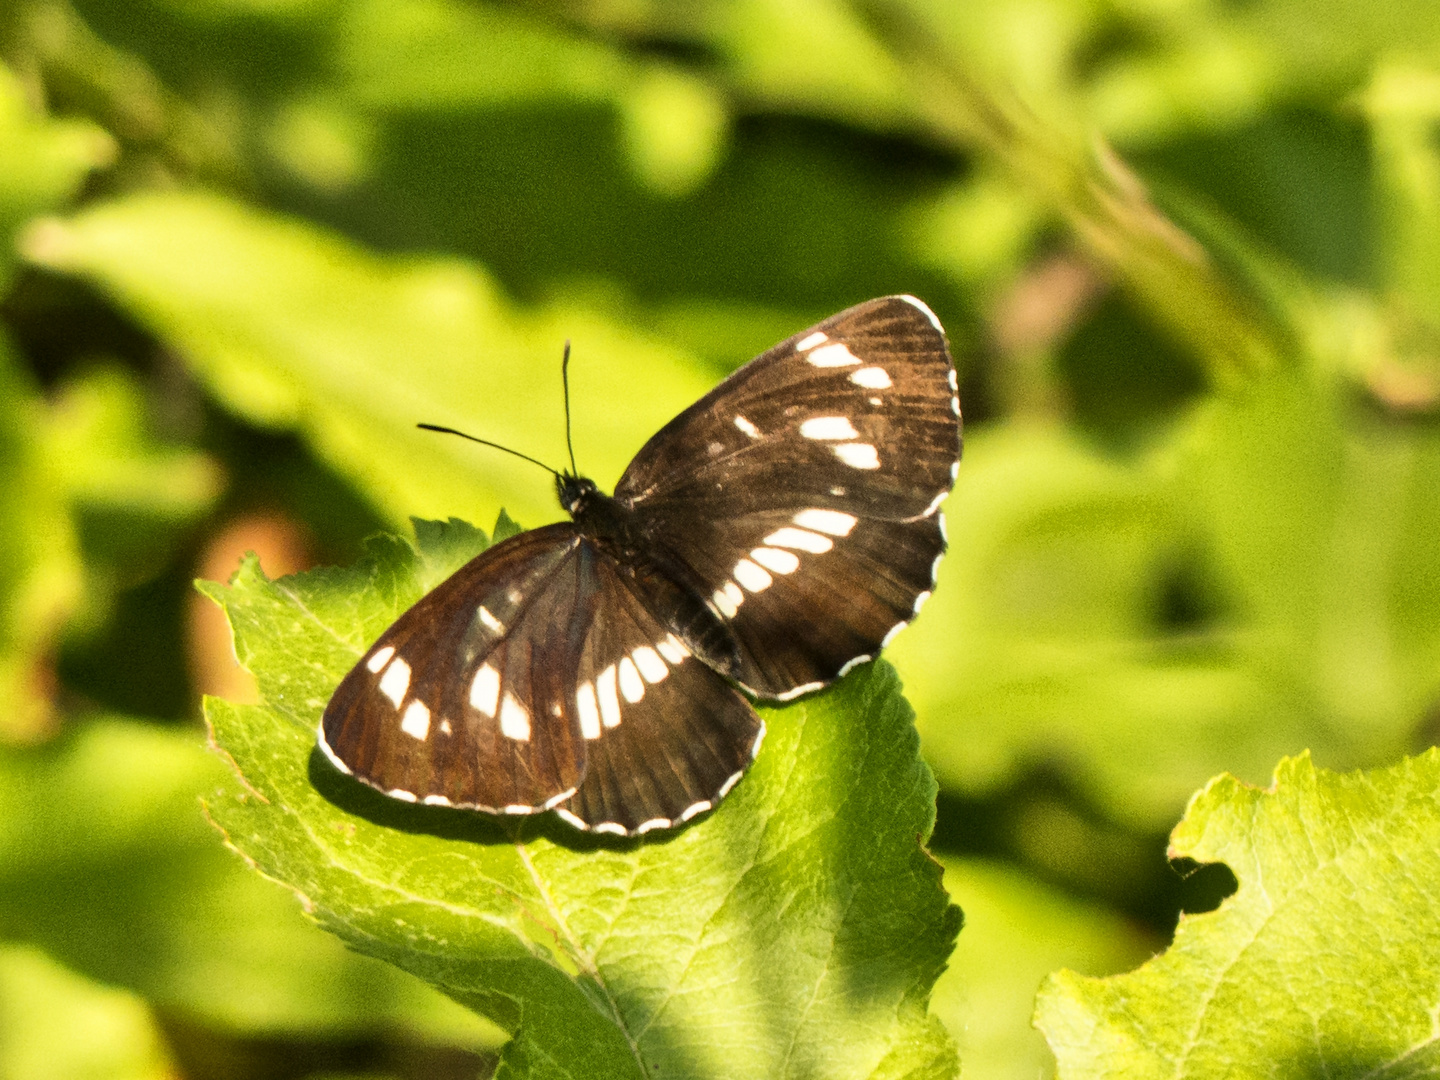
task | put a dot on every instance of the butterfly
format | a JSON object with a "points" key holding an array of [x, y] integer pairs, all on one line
{"points": [[778, 532]]}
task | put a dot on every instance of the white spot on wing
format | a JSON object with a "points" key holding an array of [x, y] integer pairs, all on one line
{"points": [[730, 783], [436, 800], [589, 710], [858, 455], [944, 533], [803, 688], [494, 625], [611, 827], [782, 562], [954, 470], [828, 427], [402, 795], [445, 728], [800, 540], [653, 823], [519, 808], [955, 404], [514, 720], [834, 355], [751, 576], [609, 702], [673, 649], [830, 522], [935, 568], [872, 378], [693, 809], [924, 310], [570, 819], [817, 338], [723, 603], [380, 659], [747, 427], [554, 800], [396, 681], [630, 684], [920, 600], [485, 690], [863, 658], [890, 634], [935, 503], [416, 722], [952, 380], [650, 664]]}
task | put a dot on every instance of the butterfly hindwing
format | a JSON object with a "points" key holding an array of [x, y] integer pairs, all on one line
{"points": [[667, 735], [803, 492]]}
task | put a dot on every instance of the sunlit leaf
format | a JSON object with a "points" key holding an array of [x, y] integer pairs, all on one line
{"points": [[292, 326], [129, 490], [1324, 963], [106, 863], [796, 931], [42, 163], [55, 1025], [813, 57], [1017, 931], [427, 54], [40, 571]]}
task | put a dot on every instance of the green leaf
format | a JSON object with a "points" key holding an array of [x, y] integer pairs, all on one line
{"points": [[42, 163], [81, 476], [813, 57], [130, 492], [107, 863], [292, 326], [55, 1025], [40, 571], [411, 55], [1325, 962], [796, 931], [1017, 931]]}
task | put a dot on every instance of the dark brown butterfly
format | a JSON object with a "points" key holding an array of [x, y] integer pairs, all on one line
{"points": [[778, 532]]}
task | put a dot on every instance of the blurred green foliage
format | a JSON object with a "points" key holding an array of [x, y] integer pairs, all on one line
{"points": [[1187, 255]]}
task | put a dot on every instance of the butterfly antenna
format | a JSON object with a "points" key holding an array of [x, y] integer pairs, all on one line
{"points": [[487, 442], [565, 380]]}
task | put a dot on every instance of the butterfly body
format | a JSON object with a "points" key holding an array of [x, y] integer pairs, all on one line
{"points": [[770, 537]]}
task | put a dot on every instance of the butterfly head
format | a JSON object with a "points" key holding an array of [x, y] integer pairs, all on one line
{"points": [[575, 492]]}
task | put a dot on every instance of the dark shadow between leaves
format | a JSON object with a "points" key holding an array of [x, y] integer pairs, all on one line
{"points": [[1044, 822], [468, 826]]}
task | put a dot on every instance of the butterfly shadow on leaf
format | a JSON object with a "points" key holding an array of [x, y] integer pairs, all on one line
{"points": [[467, 826]]}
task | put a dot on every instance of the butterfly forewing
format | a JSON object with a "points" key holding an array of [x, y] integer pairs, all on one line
{"points": [[455, 704], [804, 491], [864, 403]]}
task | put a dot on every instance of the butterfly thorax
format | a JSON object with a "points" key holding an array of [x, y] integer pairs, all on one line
{"points": [[597, 516], [673, 592]]}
